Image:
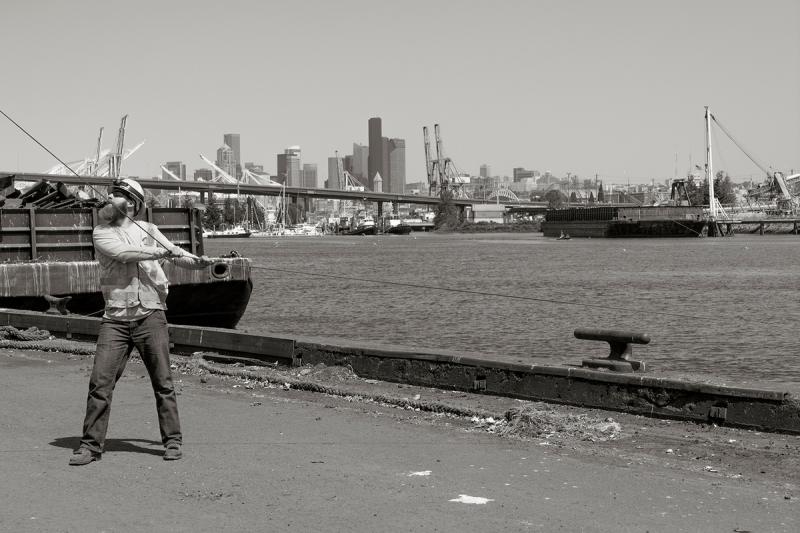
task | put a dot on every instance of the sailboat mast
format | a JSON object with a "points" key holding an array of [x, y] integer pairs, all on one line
{"points": [[712, 207]]}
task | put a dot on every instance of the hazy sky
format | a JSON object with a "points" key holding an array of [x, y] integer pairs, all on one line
{"points": [[615, 87]]}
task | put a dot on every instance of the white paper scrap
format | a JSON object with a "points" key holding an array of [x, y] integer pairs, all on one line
{"points": [[477, 500]]}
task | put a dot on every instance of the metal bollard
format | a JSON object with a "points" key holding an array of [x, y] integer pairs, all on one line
{"points": [[58, 306], [620, 342]]}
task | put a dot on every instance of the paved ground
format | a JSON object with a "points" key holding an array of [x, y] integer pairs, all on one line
{"points": [[263, 458]]}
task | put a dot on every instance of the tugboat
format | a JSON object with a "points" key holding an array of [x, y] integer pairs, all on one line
{"points": [[365, 226]]}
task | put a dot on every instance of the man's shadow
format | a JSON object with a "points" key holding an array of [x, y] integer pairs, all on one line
{"points": [[114, 445]]}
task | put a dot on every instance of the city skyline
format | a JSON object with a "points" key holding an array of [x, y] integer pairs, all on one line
{"points": [[616, 88]]}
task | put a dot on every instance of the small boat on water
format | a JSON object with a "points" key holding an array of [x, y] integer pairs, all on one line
{"points": [[365, 226], [400, 229], [395, 226], [236, 232]]}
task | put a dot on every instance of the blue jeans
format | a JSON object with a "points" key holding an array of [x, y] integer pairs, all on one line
{"points": [[115, 342]]}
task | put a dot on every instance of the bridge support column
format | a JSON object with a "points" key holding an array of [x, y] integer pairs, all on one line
{"points": [[380, 209], [794, 229], [761, 228]]}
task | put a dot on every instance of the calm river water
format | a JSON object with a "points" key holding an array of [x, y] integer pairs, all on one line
{"points": [[720, 310]]}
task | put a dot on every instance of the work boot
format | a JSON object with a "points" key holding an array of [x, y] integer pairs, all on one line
{"points": [[83, 456], [173, 451]]}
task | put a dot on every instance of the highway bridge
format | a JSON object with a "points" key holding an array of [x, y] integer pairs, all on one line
{"points": [[257, 190]]}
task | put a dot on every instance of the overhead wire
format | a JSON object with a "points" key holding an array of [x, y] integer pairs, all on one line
{"points": [[34, 139], [470, 291]]}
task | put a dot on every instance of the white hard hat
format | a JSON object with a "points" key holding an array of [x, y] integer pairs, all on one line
{"points": [[130, 189]]}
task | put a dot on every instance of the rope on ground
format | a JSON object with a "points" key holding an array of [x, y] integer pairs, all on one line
{"points": [[34, 338], [282, 378], [31, 334]]}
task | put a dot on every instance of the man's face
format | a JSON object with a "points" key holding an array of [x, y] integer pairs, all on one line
{"points": [[130, 207]]}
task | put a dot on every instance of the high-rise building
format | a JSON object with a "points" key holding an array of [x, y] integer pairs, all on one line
{"points": [[310, 175], [486, 171], [360, 162], [333, 174], [376, 162], [177, 168], [395, 181], [203, 174], [233, 140], [520, 173], [225, 160], [289, 170]]}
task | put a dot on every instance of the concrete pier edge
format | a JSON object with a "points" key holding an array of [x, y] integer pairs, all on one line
{"points": [[643, 394]]}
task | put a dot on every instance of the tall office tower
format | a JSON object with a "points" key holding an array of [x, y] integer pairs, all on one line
{"points": [[233, 140], [177, 168], [310, 175], [347, 163], [360, 162], [289, 170], [225, 160], [333, 174], [396, 179], [486, 171], [203, 174], [376, 162]]}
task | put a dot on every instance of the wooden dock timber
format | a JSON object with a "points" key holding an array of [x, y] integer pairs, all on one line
{"points": [[761, 223], [643, 394]]}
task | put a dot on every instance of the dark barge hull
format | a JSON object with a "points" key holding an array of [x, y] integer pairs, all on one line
{"points": [[401, 229], [625, 222], [611, 229], [219, 305], [369, 230], [49, 252]]}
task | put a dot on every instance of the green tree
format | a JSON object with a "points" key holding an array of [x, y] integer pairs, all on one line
{"points": [[591, 197], [555, 198], [697, 190], [294, 213], [446, 213], [213, 216], [723, 188]]}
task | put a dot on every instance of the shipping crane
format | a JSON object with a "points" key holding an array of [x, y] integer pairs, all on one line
{"points": [[221, 174], [256, 179], [92, 166], [115, 159], [347, 182], [104, 169], [103, 162], [430, 165], [171, 174], [443, 174]]}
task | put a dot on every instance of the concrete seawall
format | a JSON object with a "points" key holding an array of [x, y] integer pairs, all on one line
{"points": [[643, 394]]}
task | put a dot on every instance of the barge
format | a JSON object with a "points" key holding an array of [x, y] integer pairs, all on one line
{"points": [[619, 221], [47, 263]]}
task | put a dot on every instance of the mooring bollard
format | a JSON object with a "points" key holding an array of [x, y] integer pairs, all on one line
{"points": [[620, 341], [58, 306]]}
